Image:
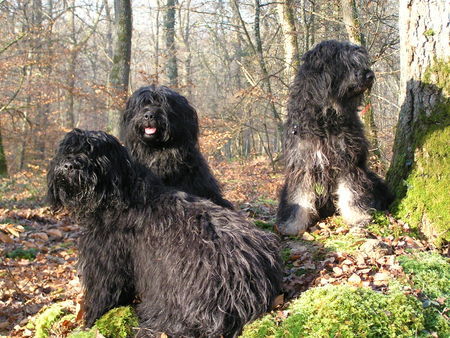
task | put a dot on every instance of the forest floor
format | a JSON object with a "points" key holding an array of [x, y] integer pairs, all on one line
{"points": [[38, 249]]}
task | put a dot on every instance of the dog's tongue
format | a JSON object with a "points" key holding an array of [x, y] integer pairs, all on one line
{"points": [[150, 131]]}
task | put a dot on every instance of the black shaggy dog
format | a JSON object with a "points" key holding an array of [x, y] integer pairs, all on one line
{"points": [[160, 128], [196, 269], [325, 147]]}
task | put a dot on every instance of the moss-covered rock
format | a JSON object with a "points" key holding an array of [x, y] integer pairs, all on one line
{"points": [[58, 319], [345, 311], [118, 322], [45, 323]]}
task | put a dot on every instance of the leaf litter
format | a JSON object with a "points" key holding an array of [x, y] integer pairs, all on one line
{"points": [[329, 253]]}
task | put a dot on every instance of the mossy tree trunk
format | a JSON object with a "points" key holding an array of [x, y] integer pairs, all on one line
{"points": [[419, 172], [120, 71], [351, 21]]}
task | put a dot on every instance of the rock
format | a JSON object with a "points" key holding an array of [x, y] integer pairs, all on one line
{"points": [[375, 248]]}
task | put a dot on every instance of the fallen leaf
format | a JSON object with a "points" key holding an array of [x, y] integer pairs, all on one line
{"points": [[5, 238], [279, 300], [381, 276], [337, 270], [40, 235], [4, 325], [55, 233], [308, 237], [354, 279]]}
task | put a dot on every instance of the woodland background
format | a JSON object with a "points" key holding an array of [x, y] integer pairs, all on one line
{"points": [[73, 63], [227, 57]]}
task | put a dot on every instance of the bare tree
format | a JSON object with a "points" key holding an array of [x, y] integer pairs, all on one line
{"points": [[169, 26], [350, 17], [120, 71], [3, 167], [291, 54], [352, 23]]}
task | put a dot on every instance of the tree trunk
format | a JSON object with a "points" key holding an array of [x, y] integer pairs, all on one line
{"points": [[185, 33], [169, 26], [69, 122], [351, 20], [3, 167], [262, 63], [120, 71], [419, 172], [291, 55], [156, 49]]}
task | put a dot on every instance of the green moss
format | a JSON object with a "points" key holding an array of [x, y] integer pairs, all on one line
{"points": [[21, 253], [425, 204], [93, 333], [429, 272], [382, 226], [423, 197], [45, 321], [263, 327], [429, 32], [435, 322], [286, 254], [264, 225], [118, 322], [345, 311], [437, 75], [342, 243]]}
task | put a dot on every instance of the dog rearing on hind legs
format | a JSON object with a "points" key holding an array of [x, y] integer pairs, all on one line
{"points": [[325, 148]]}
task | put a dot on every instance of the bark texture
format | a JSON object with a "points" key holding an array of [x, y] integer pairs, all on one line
{"points": [[169, 25], [120, 71], [3, 167], [287, 21], [419, 172]]}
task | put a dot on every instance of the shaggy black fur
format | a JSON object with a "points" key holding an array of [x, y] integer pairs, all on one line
{"points": [[198, 269], [325, 147], [160, 128]]}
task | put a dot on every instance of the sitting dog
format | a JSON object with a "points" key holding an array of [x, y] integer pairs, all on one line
{"points": [[325, 148], [160, 128], [195, 268]]}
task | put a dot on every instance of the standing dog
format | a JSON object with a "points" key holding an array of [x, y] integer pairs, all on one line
{"points": [[198, 269], [325, 147], [160, 128]]}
